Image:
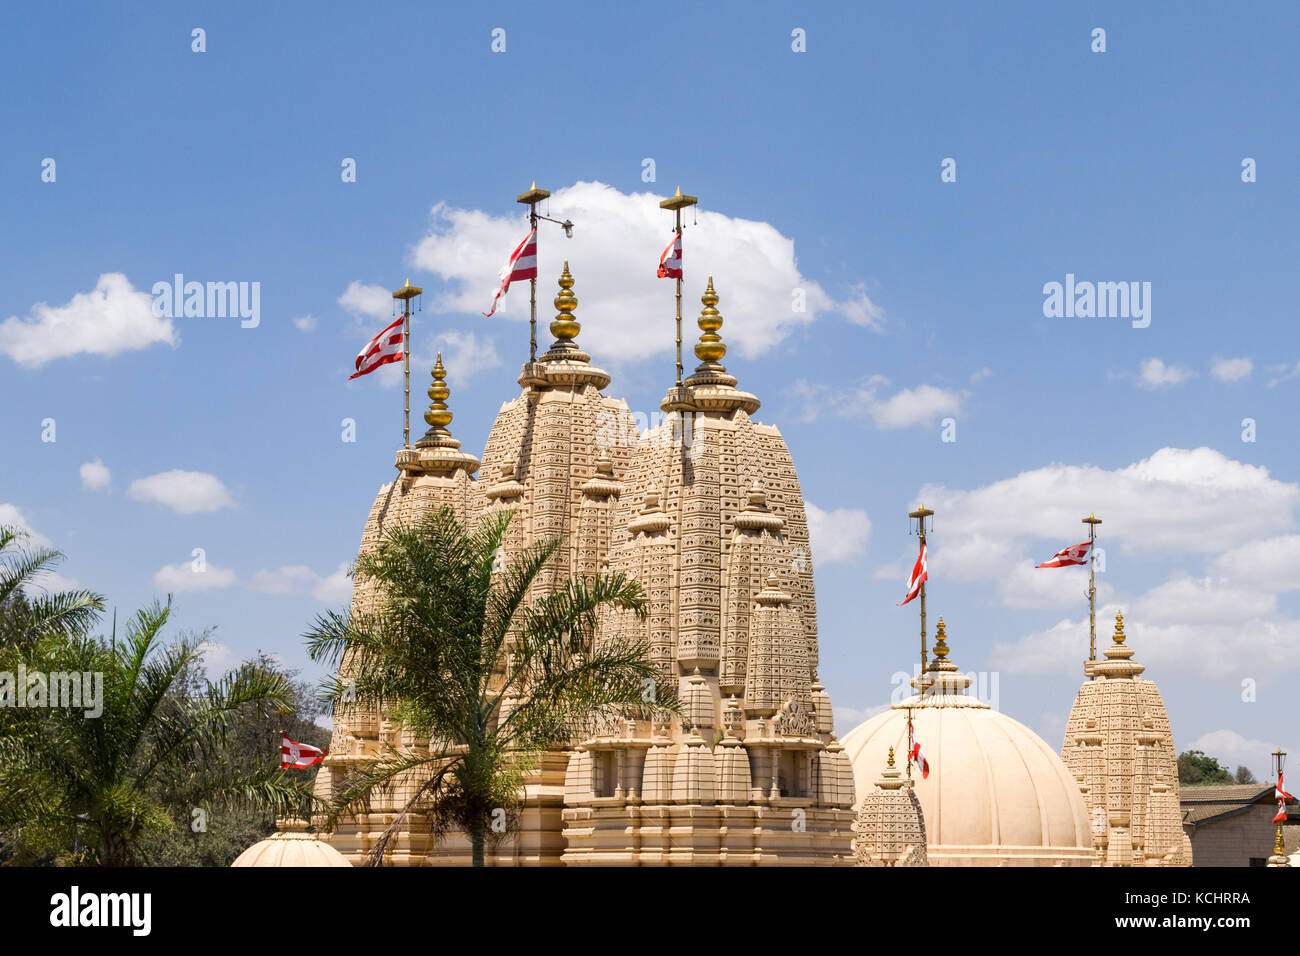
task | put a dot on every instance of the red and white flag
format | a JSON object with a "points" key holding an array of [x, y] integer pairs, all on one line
{"points": [[1074, 554], [294, 754], [522, 264], [670, 263], [919, 574], [1282, 798], [383, 348], [916, 755]]}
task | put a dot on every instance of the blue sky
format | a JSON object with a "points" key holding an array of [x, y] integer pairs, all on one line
{"points": [[928, 297]]}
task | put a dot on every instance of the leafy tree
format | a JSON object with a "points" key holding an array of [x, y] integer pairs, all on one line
{"points": [[93, 789], [1245, 775], [450, 642], [216, 835], [1196, 767], [26, 618]]}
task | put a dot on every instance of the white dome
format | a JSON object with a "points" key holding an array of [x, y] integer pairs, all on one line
{"points": [[997, 794], [291, 848]]}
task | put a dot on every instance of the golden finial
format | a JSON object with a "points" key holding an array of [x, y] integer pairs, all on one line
{"points": [[891, 756], [438, 415], [710, 348], [940, 639], [1119, 627], [565, 328]]}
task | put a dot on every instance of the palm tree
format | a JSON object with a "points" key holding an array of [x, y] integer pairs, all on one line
{"points": [[26, 617], [83, 787], [453, 650]]}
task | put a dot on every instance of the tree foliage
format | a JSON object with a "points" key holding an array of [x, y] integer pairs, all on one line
{"points": [[103, 782], [1196, 767]]}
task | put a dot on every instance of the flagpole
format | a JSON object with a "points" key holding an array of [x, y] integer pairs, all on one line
{"points": [[1092, 521], [1279, 845], [406, 293], [677, 203], [909, 741], [920, 514], [531, 198]]}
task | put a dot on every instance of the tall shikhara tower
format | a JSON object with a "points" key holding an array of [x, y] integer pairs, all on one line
{"points": [[711, 522], [706, 513], [1120, 747]]}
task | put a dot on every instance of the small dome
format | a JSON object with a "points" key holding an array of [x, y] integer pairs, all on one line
{"points": [[291, 848], [997, 794]]}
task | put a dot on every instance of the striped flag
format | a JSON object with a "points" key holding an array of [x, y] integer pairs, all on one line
{"points": [[1282, 798], [294, 754], [670, 263], [920, 572], [916, 755], [1074, 554], [522, 264], [383, 348]]}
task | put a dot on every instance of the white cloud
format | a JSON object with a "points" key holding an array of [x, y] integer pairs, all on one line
{"points": [[335, 588], [847, 718], [1269, 565], [95, 475], [52, 582], [465, 354], [920, 406], [1232, 369], [911, 406], [621, 304], [981, 375], [893, 571], [1196, 500], [305, 323], [12, 516], [838, 536], [1282, 373], [1179, 507], [185, 492], [290, 579], [218, 658], [1184, 624], [1233, 750], [112, 318], [179, 578], [1024, 585], [367, 301], [1154, 373]]}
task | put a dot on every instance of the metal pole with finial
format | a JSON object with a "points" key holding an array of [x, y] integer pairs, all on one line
{"points": [[1279, 845], [677, 203], [406, 293], [531, 198], [920, 514], [1092, 521], [908, 760]]}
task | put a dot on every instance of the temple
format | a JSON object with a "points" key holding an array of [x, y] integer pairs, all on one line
{"points": [[1120, 747], [705, 511]]}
